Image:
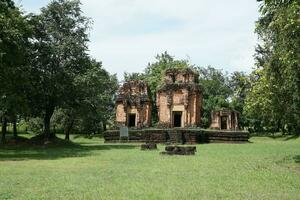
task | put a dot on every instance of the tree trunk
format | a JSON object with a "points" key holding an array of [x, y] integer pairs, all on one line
{"points": [[67, 137], [47, 132], [4, 129], [15, 133], [104, 126], [278, 126]]}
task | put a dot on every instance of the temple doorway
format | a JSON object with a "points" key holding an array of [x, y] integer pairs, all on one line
{"points": [[223, 122], [177, 119], [131, 120]]}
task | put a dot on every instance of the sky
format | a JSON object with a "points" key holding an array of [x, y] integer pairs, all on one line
{"points": [[127, 34]]}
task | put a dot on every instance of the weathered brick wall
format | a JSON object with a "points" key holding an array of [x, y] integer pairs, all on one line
{"points": [[184, 136], [178, 98], [232, 119], [215, 120], [147, 121], [133, 98], [190, 107], [120, 114], [164, 111]]}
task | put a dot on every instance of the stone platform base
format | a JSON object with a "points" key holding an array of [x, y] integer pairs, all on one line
{"points": [[179, 150], [178, 136]]}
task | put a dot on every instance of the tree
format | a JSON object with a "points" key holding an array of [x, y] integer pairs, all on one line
{"points": [[134, 76], [216, 91], [58, 57], [154, 71], [94, 104], [278, 59], [259, 106], [239, 84], [14, 39]]}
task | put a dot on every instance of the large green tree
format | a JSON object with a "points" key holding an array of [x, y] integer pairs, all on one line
{"points": [[278, 59], [58, 57]]}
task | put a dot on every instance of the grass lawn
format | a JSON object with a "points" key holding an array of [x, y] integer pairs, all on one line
{"points": [[264, 169]]}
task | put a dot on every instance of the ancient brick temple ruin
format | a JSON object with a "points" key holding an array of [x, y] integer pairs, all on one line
{"points": [[179, 104], [225, 119], [179, 99], [133, 105]]}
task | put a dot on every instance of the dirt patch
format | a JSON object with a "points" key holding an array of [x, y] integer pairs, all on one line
{"points": [[295, 169]]}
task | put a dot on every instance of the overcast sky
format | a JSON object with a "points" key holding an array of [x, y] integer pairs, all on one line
{"points": [[127, 34]]}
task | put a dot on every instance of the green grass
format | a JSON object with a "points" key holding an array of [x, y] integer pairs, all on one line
{"points": [[264, 169]]}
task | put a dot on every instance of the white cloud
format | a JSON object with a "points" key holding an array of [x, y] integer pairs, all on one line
{"points": [[127, 34]]}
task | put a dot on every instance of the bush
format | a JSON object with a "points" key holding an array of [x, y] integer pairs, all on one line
{"points": [[35, 125]]}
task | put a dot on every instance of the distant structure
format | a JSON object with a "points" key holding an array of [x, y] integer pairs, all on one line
{"points": [[179, 99], [225, 119], [133, 105]]}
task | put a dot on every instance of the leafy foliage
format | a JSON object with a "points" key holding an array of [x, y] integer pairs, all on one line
{"points": [[58, 56], [95, 106], [216, 91], [240, 84], [275, 94], [44, 64], [154, 71], [14, 38], [134, 76]]}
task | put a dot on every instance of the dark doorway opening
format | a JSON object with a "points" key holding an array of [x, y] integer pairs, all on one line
{"points": [[131, 120], [177, 119], [223, 122]]}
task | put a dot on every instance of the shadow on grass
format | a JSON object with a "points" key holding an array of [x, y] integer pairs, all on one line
{"points": [[297, 159], [87, 136], [284, 137], [20, 153], [292, 137]]}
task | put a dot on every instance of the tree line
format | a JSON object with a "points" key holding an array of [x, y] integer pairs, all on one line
{"points": [[49, 81]]}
